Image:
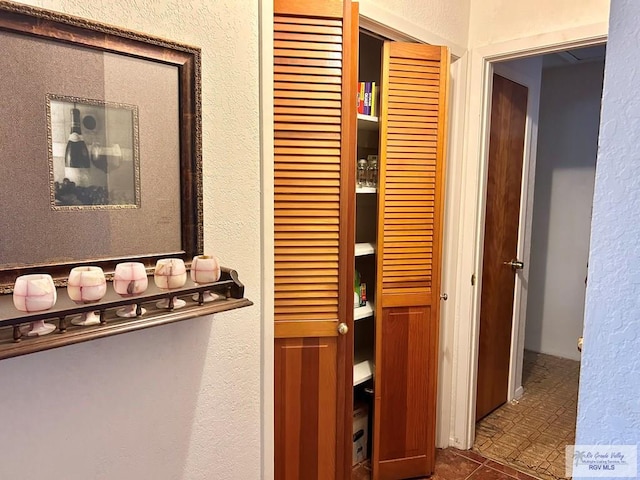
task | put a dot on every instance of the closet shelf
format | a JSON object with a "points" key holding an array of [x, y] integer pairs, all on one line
{"points": [[363, 249], [367, 122], [362, 371], [366, 189], [363, 312]]}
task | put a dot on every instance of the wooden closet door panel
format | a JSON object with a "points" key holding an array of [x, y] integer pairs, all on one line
{"points": [[314, 141], [306, 390], [408, 340], [411, 166]]}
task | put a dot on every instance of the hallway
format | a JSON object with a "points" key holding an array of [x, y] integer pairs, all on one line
{"points": [[531, 434]]}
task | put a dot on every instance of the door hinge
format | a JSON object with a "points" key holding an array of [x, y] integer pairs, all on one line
{"points": [[473, 279]]}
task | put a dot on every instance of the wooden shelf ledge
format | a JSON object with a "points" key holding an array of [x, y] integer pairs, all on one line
{"points": [[13, 344]]}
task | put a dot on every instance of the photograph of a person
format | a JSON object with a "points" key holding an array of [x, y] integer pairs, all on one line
{"points": [[93, 153]]}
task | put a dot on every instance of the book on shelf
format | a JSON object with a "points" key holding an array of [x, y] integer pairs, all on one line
{"points": [[367, 92], [367, 98], [374, 93]]}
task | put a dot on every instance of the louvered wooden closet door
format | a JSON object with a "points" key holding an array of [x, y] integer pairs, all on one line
{"points": [[412, 138], [314, 92]]}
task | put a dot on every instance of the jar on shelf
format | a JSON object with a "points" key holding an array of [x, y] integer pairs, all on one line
{"points": [[362, 175], [372, 171]]}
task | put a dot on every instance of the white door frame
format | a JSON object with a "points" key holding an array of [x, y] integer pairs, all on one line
{"points": [[471, 230]]}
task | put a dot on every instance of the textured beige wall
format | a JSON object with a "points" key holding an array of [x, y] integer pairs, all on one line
{"points": [[494, 21], [180, 401], [183, 401], [446, 19]]}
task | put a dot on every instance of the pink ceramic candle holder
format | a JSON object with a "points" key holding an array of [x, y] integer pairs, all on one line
{"points": [[86, 285], [205, 269], [130, 280], [169, 274], [35, 293]]}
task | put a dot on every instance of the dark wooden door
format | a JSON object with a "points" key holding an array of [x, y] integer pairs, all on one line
{"points": [[314, 186], [409, 242], [506, 153]]}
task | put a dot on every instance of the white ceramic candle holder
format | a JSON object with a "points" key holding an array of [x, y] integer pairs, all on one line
{"points": [[86, 285], [205, 269], [169, 274], [130, 280], [35, 293]]}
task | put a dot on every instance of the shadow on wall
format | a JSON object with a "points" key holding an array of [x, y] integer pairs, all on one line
{"points": [[565, 171], [75, 406]]}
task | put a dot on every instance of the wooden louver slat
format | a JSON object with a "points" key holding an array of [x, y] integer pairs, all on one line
{"points": [[307, 126], [410, 143], [411, 162], [314, 123]]}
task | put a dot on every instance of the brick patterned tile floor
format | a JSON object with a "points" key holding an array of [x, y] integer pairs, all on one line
{"points": [[531, 434], [454, 464], [523, 440]]}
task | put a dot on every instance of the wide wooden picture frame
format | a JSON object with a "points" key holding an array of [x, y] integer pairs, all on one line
{"points": [[85, 65]]}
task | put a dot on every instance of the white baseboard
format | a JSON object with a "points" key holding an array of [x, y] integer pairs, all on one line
{"points": [[456, 443], [519, 393]]}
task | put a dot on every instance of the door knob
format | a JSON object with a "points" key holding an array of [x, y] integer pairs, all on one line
{"points": [[515, 264], [444, 296], [343, 329]]}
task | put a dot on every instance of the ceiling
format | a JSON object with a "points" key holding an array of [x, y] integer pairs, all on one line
{"points": [[575, 56]]}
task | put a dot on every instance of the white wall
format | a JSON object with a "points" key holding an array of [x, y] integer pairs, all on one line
{"points": [[437, 22], [495, 21], [180, 401], [565, 171], [489, 21], [183, 401], [608, 412]]}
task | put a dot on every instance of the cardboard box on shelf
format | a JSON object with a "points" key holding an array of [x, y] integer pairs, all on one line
{"points": [[360, 433]]}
